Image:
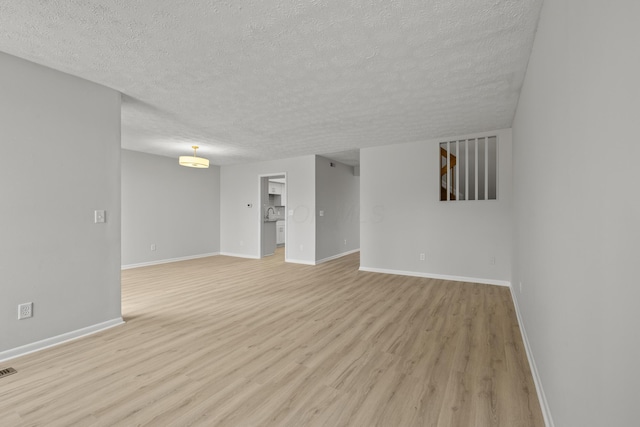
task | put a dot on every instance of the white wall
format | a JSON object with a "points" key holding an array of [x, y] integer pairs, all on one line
{"points": [[577, 210], [338, 196], [239, 225], [60, 161], [402, 217], [172, 206]]}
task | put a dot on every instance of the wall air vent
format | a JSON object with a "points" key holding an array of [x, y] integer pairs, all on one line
{"points": [[7, 372]]}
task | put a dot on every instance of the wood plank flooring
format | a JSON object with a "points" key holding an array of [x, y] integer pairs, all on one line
{"points": [[223, 341]]}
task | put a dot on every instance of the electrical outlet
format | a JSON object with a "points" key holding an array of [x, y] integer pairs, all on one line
{"points": [[492, 260], [25, 310], [422, 257], [345, 241], [302, 247], [153, 246]]}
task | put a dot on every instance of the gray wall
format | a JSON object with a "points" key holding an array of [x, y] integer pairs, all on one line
{"points": [[172, 206], [577, 210], [60, 139], [240, 225], [338, 195], [402, 217]]}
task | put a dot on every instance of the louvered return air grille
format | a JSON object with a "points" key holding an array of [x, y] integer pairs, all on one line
{"points": [[7, 372]]}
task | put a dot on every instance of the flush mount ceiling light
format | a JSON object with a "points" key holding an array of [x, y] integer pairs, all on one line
{"points": [[194, 162]]}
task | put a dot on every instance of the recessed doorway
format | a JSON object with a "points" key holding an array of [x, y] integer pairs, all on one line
{"points": [[273, 213]]}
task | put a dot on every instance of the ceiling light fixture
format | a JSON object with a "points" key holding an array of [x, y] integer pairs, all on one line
{"points": [[194, 162]]}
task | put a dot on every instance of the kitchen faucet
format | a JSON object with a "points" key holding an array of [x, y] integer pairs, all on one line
{"points": [[272, 209]]}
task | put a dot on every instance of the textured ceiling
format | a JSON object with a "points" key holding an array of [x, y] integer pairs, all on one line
{"points": [[265, 79]]}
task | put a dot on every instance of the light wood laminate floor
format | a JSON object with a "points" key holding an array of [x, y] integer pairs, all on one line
{"points": [[224, 341]]}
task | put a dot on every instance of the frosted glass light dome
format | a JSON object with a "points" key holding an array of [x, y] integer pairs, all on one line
{"points": [[193, 161]]}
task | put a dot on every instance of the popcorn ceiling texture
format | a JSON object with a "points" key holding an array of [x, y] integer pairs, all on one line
{"points": [[264, 79]]}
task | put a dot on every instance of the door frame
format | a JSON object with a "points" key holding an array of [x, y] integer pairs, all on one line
{"points": [[261, 211]]}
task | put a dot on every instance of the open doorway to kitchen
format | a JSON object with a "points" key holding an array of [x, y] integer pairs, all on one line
{"points": [[273, 214]]}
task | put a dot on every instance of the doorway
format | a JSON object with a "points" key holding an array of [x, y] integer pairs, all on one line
{"points": [[273, 214]]}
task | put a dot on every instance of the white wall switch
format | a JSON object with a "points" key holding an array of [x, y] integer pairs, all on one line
{"points": [[99, 216], [321, 213], [153, 246]]}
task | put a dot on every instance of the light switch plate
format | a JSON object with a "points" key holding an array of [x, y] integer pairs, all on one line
{"points": [[99, 216]]}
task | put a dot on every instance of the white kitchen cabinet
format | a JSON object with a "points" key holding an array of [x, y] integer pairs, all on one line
{"points": [[275, 187], [269, 238], [280, 232]]}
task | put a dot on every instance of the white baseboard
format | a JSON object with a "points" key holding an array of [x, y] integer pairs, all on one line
{"points": [[239, 255], [165, 261], [291, 260], [542, 398], [299, 261], [438, 276], [337, 256], [59, 339]]}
